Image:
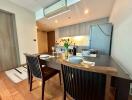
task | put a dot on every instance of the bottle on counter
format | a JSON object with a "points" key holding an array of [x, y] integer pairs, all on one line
{"points": [[74, 50]]}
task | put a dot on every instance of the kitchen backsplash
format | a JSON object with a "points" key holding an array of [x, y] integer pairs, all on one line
{"points": [[78, 40]]}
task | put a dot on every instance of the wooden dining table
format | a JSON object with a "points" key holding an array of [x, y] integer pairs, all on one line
{"points": [[116, 76]]}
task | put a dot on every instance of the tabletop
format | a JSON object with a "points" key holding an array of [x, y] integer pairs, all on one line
{"points": [[103, 64]]}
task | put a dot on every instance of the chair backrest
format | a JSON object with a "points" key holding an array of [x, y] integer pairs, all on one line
{"points": [[83, 85], [34, 65]]}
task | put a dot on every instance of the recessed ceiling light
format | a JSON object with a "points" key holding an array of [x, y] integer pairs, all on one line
{"points": [[56, 21], [86, 11]]}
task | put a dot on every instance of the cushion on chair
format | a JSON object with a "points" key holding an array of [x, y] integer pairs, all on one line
{"points": [[49, 72]]}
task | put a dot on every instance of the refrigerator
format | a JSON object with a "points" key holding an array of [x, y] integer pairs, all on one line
{"points": [[101, 38]]}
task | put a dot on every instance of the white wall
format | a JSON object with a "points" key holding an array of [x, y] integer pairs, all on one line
{"points": [[121, 17], [26, 30]]}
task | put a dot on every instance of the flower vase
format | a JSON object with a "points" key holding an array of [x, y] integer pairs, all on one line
{"points": [[66, 53]]}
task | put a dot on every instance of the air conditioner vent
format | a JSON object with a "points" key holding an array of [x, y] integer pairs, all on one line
{"points": [[55, 8], [58, 7]]}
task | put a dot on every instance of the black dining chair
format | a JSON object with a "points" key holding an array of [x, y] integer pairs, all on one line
{"points": [[37, 69], [83, 85]]}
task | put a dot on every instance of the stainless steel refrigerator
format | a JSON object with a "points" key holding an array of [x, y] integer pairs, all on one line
{"points": [[101, 38]]}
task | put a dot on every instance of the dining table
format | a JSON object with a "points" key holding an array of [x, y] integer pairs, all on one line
{"points": [[116, 76]]}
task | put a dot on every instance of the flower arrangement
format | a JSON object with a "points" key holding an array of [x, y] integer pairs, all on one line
{"points": [[66, 43]]}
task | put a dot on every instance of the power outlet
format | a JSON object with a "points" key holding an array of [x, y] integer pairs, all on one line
{"points": [[131, 89]]}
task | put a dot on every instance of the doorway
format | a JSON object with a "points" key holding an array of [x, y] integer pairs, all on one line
{"points": [[9, 52], [42, 41], [51, 40]]}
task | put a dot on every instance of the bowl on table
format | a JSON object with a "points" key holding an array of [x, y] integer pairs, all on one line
{"points": [[75, 59]]}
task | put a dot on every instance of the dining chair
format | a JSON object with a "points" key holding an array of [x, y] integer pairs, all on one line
{"points": [[37, 69], [83, 85]]}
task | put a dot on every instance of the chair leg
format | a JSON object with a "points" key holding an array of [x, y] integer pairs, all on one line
{"points": [[43, 86], [60, 77], [31, 78], [28, 72], [64, 95]]}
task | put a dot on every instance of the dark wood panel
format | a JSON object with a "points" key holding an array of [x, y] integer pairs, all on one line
{"points": [[122, 87], [51, 40], [84, 85]]}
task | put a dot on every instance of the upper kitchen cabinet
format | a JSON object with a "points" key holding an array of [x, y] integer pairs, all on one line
{"points": [[76, 30], [79, 29], [71, 30], [87, 28], [82, 29], [61, 32], [64, 32]]}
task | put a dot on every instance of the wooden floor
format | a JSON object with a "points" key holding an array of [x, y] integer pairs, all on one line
{"points": [[20, 91], [12, 91]]}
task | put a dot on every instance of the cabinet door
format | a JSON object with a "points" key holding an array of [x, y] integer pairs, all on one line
{"points": [[87, 28], [66, 31], [76, 30], [61, 32], [72, 30], [82, 29], [57, 34]]}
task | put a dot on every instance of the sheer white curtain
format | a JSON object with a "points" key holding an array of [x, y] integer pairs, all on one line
{"points": [[8, 46]]}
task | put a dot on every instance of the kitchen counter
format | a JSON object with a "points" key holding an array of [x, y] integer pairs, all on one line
{"points": [[104, 65]]}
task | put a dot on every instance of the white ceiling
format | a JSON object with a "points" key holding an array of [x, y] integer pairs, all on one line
{"points": [[97, 9]]}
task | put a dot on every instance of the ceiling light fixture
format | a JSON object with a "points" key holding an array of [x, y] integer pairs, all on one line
{"points": [[86, 11], [59, 14]]}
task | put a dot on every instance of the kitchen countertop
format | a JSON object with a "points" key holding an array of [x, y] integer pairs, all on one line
{"points": [[116, 78], [103, 64]]}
